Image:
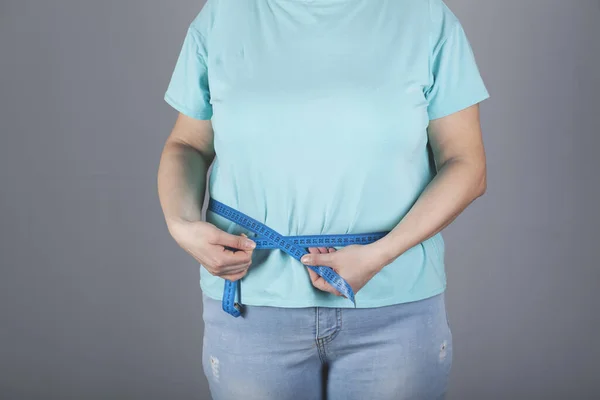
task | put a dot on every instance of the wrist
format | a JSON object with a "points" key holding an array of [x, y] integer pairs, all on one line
{"points": [[379, 257], [177, 227], [385, 251]]}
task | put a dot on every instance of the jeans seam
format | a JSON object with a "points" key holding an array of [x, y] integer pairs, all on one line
{"points": [[318, 341], [328, 339], [322, 352], [338, 328]]}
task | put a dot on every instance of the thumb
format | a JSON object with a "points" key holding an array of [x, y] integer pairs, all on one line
{"points": [[235, 242], [316, 259]]}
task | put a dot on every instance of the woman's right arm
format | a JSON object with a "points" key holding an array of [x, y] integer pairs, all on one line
{"points": [[182, 173]]}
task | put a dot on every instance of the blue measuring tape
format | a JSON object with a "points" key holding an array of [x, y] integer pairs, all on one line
{"points": [[295, 246]]}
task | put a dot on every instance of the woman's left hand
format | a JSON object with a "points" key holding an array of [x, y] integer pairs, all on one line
{"points": [[357, 264]]}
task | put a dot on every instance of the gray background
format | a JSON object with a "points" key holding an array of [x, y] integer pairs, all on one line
{"points": [[98, 302]]}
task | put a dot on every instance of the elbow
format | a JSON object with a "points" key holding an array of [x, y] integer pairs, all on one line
{"points": [[482, 184]]}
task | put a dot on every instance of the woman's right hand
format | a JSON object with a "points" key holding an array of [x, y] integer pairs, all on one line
{"points": [[222, 254]]}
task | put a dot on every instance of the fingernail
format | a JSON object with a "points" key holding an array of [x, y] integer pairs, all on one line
{"points": [[249, 244], [305, 260]]}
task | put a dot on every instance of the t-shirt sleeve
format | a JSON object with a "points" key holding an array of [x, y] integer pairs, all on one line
{"points": [[188, 91], [455, 79]]}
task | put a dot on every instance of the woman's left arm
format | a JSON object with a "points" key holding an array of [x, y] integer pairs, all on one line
{"points": [[459, 155], [457, 145]]}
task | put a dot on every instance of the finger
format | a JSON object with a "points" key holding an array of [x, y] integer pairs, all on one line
{"points": [[226, 256], [231, 270], [332, 249], [312, 274], [253, 243], [225, 271], [316, 280], [313, 250], [318, 259], [235, 277], [323, 250], [233, 241], [219, 262], [219, 259], [326, 287], [244, 269], [321, 283]]}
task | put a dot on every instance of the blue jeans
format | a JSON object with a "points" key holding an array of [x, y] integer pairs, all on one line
{"points": [[396, 352]]}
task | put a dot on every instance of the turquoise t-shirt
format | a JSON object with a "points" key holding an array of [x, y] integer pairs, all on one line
{"points": [[320, 111]]}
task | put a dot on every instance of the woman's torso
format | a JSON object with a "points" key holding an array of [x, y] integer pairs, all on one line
{"points": [[320, 119]]}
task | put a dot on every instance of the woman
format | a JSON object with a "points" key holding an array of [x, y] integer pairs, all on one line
{"points": [[324, 117]]}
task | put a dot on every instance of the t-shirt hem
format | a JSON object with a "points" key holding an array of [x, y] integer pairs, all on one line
{"points": [[205, 114], [444, 112], [371, 303]]}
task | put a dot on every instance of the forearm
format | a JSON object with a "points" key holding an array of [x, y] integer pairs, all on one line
{"points": [[457, 184], [182, 182]]}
